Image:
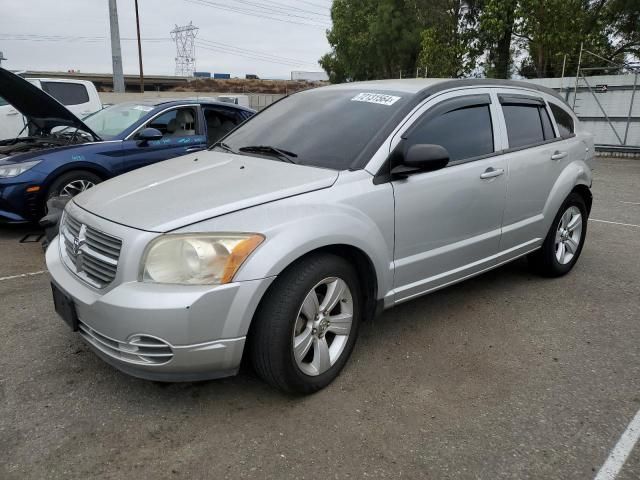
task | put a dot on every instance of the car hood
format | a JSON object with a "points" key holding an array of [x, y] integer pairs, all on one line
{"points": [[186, 190], [44, 111]]}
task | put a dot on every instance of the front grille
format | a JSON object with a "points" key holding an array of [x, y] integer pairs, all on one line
{"points": [[91, 254], [140, 349]]}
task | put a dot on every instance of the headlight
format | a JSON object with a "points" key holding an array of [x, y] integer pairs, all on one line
{"points": [[15, 169], [197, 259]]}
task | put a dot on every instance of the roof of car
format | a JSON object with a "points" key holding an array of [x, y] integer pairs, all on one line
{"points": [[169, 102], [429, 86]]}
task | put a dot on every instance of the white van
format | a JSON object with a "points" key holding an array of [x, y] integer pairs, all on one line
{"points": [[79, 96]]}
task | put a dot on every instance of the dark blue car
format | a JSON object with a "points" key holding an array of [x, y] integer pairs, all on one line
{"points": [[61, 155]]}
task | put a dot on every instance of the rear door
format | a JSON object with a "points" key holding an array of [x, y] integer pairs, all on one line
{"points": [[182, 133], [448, 222], [536, 156]]}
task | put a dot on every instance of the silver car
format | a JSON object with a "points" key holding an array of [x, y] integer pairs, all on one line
{"points": [[315, 215]]}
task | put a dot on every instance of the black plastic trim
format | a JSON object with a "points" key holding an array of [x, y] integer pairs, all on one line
{"points": [[518, 99]]}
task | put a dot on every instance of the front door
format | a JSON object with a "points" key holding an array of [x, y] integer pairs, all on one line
{"points": [[448, 222], [181, 134]]}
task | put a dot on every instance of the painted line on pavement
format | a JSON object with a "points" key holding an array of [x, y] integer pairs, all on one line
{"points": [[617, 457], [614, 223], [23, 275]]}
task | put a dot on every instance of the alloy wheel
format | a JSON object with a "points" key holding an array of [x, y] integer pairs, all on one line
{"points": [[568, 235], [75, 187], [323, 326]]}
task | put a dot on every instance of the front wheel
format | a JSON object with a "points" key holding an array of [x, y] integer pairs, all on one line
{"points": [[72, 183], [307, 325], [563, 244]]}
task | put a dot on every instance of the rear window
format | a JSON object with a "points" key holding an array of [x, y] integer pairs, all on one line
{"points": [[67, 93], [327, 128], [524, 125], [564, 121]]}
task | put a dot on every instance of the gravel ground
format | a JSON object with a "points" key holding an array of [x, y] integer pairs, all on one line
{"points": [[504, 376]]}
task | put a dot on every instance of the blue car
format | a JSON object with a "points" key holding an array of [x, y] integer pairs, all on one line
{"points": [[58, 154]]}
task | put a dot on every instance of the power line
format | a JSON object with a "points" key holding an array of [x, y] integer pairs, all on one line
{"points": [[284, 7], [249, 55], [254, 13], [253, 52]]}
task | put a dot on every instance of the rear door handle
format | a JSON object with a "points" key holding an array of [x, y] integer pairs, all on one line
{"points": [[492, 173], [557, 155]]}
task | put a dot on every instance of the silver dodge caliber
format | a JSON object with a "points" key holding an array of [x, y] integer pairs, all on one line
{"points": [[321, 211]]}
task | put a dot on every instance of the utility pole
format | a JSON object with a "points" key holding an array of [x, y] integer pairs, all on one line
{"points": [[139, 50], [116, 52], [2, 58]]}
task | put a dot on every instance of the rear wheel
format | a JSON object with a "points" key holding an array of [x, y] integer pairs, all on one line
{"points": [[563, 244], [307, 325]]}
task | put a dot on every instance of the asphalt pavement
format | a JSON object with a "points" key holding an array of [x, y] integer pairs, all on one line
{"points": [[507, 375]]}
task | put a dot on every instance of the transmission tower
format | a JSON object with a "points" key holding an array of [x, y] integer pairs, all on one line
{"points": [[185, 37]]}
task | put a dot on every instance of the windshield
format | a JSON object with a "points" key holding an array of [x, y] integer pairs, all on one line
{"points": [[326, 128], [111, 121]]}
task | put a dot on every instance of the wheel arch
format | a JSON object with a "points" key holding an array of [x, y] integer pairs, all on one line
{"points": [[76, 166], [585, 192]]}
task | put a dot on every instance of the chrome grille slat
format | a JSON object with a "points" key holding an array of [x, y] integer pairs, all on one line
{"points": [[95, 257]]}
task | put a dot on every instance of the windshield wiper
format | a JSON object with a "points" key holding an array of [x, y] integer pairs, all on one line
{"points": [[280, 153], [223, 146]]}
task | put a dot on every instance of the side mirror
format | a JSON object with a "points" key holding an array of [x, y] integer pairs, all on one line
{"points": [[148, 135], [426, 157]]}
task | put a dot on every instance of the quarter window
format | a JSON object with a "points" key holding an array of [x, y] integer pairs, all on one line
{"points": [[564, 121], [67, 93], [465, 133]]}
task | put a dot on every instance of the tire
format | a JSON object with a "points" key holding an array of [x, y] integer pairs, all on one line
{"points": [[562, 246], [282, 320], [79, 180]]}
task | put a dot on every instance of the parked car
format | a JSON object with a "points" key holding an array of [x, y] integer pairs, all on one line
{"points": [[63, 155], [79, 96], [320, 211]]}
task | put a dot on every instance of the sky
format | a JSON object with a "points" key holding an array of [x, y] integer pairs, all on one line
{"points": [[269, 38]]}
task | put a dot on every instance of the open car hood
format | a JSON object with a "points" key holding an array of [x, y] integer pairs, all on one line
{"points": [[42, 110]]}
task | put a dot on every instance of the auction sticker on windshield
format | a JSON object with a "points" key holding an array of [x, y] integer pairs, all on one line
{"points": [[377, 98]]}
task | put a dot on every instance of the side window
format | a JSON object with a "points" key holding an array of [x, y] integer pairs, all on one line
{"points": [[564, 121], [524, 125], [220, 121], [67, 93], [3, 102], [465, 131], [179, 122]]}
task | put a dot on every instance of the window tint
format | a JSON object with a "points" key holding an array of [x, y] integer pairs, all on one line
{"points": [[3, 102], [180, 122], [524, 126], [67, 93], [546, 124], [220, 121], [465, 133], [330, 128], [564, 121]]}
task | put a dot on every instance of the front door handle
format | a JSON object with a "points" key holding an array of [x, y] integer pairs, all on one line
{"points": [[557, 155], [492, 173], [193, 149]]}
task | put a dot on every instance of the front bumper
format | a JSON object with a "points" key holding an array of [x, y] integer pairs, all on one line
{"points": [[16, 205], [163, 332]]}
